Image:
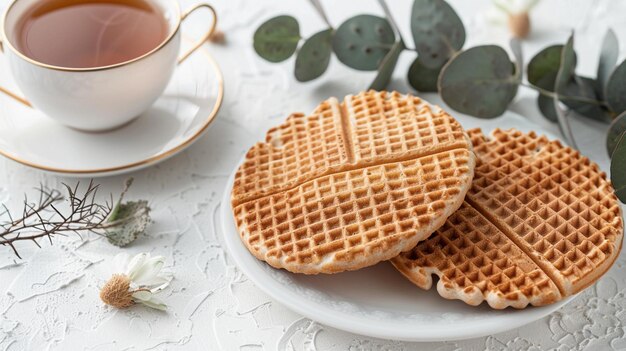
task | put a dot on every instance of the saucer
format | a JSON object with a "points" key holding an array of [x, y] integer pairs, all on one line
{"points": [[178, 118], [378, 301]]}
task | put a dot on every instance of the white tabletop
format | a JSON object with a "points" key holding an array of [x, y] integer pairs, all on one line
{"points": [[49, 299]]}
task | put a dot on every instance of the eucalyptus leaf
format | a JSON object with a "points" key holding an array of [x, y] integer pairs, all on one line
{"points": [[480, 81], [567, 67], [277, 39], [362, 42], [314, 56], [544, 102], [608, 59], [385, 71], [545, 64], [422, 78], [618, 168], [598, 89], [577, 87], [546, 106], [617, 128], [542, 72], [437, 30], [566, 73], [615, 90], [516, 48], [583, 87], [126, 222]]}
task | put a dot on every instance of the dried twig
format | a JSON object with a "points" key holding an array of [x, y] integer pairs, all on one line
{"points": [[45, 218]]}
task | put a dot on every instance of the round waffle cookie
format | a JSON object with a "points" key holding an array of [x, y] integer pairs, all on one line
{"points": [[352, 184], [540, 223]]}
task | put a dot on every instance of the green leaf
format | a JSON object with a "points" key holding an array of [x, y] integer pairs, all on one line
{"points": [[422, 78], [565, 74], [362, 42], [617, 128], [542, 72], [543, 67], [480, 81], [277, 39], [437, 30], [126, 222], [546, 106], [608, 59], [567, 67], [618, 168], [615, 90], [314, 56], [385, 71], [544, 102], [583, 87]]}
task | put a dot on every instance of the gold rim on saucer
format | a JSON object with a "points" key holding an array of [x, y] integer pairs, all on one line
{"points": [[152, 159]]}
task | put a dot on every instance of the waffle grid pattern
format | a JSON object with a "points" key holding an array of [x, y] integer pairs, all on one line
{"points": [[546, 200], [399, 126], [473, 258], [298, 150], [359, 213], [351, 213]]}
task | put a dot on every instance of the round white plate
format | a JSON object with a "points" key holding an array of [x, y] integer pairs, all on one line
{"points": [[184, 112], [378, 301]]}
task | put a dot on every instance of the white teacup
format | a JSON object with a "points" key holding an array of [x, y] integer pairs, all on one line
{"points": [[99, 98]]}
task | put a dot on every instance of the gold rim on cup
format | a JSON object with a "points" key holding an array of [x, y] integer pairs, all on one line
{"points": [[181, 17], [4, 40]]}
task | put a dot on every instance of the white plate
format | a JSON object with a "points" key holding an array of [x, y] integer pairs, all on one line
{"points": [[176, 120], [378, 301]]}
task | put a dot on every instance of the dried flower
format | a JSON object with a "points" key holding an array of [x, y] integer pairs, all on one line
{"points": [[515, 6], [136, 280], [218, 37], [515, 14]]}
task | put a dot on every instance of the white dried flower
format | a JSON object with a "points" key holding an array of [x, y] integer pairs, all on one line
{"points": [[514, 13], [514, 7], [136, 280]]}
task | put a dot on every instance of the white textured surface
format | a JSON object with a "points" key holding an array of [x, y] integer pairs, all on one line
{"points": [[49, 299]]}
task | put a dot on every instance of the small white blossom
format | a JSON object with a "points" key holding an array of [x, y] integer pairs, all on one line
{"points": [[513, 7], [514, 13], [136, 280]]}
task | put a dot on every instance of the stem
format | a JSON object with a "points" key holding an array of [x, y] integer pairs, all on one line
{"points": [[392, 21], [563, 122], [552, 94], [43, 219], [320, 10], [564, 125]]}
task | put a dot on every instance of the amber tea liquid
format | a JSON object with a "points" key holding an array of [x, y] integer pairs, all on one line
{"points": [[90, 33]]}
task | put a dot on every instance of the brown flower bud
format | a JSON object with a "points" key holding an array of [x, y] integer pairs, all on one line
{"points": [[116, 292], [519, 24], [218, 37]]}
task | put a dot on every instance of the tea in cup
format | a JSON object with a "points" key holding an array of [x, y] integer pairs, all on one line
{"points": [[94, 65]]}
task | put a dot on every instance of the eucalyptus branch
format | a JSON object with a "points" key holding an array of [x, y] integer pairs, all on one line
{"points": [[465, 78], [392, 21], [320, 10], [561, 97], [44, 217], [564, 125]]}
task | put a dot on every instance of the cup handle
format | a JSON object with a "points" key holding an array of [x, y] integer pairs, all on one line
{"points": [[208, 34], [8, 92]]}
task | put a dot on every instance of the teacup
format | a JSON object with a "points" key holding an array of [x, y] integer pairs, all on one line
{"points": [[98, 98]]}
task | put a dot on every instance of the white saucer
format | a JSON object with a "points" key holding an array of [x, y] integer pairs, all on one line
{"points": [[176, 120], [378, 301]]}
